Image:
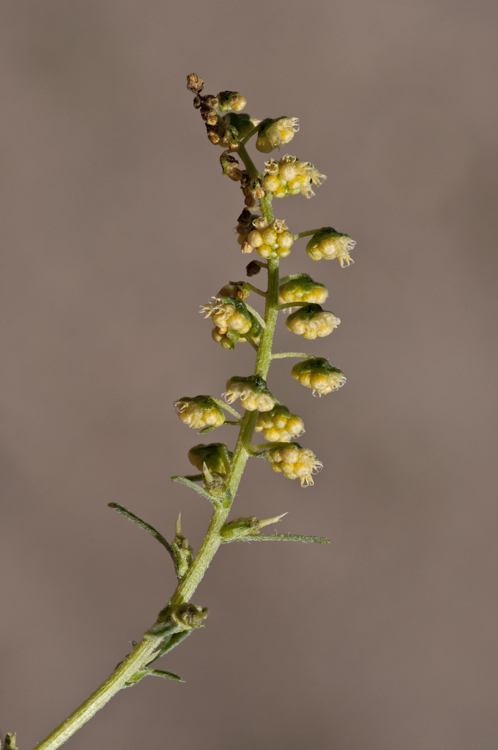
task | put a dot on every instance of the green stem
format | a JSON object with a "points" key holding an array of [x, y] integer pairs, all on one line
{"points": [[254, 288], [307, 234], [292, 304], [299, 355], [227, 407], [248, 162], [249, 135], [136, 660], [142, 653]]}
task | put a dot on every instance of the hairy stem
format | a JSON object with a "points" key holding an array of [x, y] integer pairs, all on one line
{"points": [[136, 660]]}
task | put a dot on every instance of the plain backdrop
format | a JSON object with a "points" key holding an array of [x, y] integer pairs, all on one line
{"points": [[116, 226]]}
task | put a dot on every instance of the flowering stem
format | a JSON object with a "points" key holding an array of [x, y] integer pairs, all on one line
{"points": [[142, 654]]}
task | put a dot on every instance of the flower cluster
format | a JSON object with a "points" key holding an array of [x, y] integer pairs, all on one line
{"points": [[295, 462], [252, 391], [289, 176], [232, 320], [311, 321], [235, 320], [319, 375], [328, 244], [279, 425], [199, 412], [269, 240], [302, 289]]}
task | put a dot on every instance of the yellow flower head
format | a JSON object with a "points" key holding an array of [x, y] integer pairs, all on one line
{"points": [[289, 176], [295, 463], [279, 425], [199, 412], [311, 321], [252, 391], [233, 321], [273, 240], [328, 244], [319, 375]]}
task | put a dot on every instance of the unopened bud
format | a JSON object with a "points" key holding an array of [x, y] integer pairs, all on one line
{"points": [[229, 100], [213, 456], [188, 616]]}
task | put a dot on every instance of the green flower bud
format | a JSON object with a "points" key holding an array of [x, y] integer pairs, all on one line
{"points": [[242, 123], [328, 244], [212, 455], [199, 412], [228, 100], [311, 321], [319, 375], [302, 289], [275, 133], [188, 616]]}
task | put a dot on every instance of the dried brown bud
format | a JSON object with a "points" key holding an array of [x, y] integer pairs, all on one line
{"points": [[250, 200], [210, 101], [245, 218], [209, 115], [253, 268], [244, 180], [234, 174], [212, 117], [194, 83], [197, 101], [213, 134]]}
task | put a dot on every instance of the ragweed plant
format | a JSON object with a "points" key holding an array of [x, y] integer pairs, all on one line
{"points": [[219, 468]]}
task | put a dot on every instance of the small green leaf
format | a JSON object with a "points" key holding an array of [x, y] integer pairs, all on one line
{"points": [[165, 675], [210, 428], [200, 490], [145, 526], [168, 644], [9, 742]]}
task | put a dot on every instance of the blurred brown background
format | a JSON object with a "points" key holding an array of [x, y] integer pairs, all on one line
{"points": [[117, 225]]}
